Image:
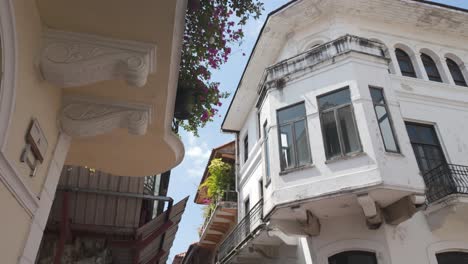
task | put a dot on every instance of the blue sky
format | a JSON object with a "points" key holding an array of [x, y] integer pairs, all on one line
{"points": [[186, 177]]}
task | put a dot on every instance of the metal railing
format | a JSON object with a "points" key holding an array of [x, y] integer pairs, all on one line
{"points": [[229, 196], [445, 180], [245, 230]]}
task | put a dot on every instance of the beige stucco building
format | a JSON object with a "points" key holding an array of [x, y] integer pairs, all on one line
{"points": [[97, 82]]}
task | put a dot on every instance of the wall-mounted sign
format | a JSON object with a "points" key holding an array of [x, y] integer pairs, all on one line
{"points": [[36, 147]]}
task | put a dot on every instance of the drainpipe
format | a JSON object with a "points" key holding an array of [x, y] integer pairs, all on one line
{"points": [[237, 170]]}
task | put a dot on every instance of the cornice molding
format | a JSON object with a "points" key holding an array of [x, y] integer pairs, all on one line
{"points": [[87, 117], [71, 59]]}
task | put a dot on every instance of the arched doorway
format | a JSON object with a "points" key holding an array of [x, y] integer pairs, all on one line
{"points": [[353, 257], [452, 257]]}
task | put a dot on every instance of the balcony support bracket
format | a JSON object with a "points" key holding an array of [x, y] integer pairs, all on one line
{"points": [[371, 211], [399, 211]]}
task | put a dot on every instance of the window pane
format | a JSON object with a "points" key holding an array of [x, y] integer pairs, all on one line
{"points": [[302, 146], [330, 131], [246, 148], [377, 96], [348, 130], [334, 99], [431, 68], [267, 150], [406, 65], [386, 128], [422, 134], [291, 113], [456, 73], [287, 156]]}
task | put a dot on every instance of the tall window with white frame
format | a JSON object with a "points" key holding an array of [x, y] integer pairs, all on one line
{"points": [[293, 136], [339, 128], [266, 149], [431, 68], [384, 120], [456, 73], [405, 63], [246, 148]]}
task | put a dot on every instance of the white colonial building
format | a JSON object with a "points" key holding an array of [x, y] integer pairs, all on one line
{"points": [[351, 121]]}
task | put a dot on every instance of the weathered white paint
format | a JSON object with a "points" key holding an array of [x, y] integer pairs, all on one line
{"points": [[330, 189]]}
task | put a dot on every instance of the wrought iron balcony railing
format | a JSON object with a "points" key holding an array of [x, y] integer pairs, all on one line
{"points": [[244, 231], [445, 180], [229, 196]]}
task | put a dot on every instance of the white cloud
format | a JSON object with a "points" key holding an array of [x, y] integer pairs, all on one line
{"points": [[197, 153]]}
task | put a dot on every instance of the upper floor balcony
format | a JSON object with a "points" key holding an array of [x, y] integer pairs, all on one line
{"points": [[446, 180], [220, 219], [246, 230]]}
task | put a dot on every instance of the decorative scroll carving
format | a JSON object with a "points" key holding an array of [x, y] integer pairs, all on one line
{"points": [[73, 59], [83, 117]]}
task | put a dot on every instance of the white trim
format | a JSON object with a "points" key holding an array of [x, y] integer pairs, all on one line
{"points": [[353, 244], [8, 174], [9, 55], [444, 246], [39, 221], [15, 184]]}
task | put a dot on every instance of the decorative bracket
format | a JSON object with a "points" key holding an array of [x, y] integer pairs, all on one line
{"points": [[371, 210], [86, 117], [74, 59]]}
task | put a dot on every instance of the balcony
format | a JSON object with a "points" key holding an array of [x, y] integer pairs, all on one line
{"points": [[220, 220], [445, 180], [246, 230]]}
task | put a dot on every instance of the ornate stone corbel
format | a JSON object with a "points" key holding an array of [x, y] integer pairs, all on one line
{"points": [[73, 59], [371, 210], [85, 117]]}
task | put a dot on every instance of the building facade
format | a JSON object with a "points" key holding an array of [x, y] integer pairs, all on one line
{"points": [[351, 120], [86, 84]]}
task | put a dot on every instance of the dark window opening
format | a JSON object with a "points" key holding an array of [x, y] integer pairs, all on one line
{"points": [[431, 68], [260, 186], [456, 73], [246, 148], [426, 146], [406, 65], [384, 120], [293, 137], [266, 149], [339, 128], [353, 257], [453, 257]]}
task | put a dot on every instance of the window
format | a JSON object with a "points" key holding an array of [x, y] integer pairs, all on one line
{"points": [[426, 146], [431, 68], [246, 148], [246, 206], [453, 257], [266, 149], [338, 124], [406, 66], [353, 257], [260, 186], [456, 73], [383, 118], [293, 138]]}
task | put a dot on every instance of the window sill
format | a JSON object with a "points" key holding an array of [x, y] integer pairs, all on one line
{"points": [[394, 154], [304, 167], [350, 156]]}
